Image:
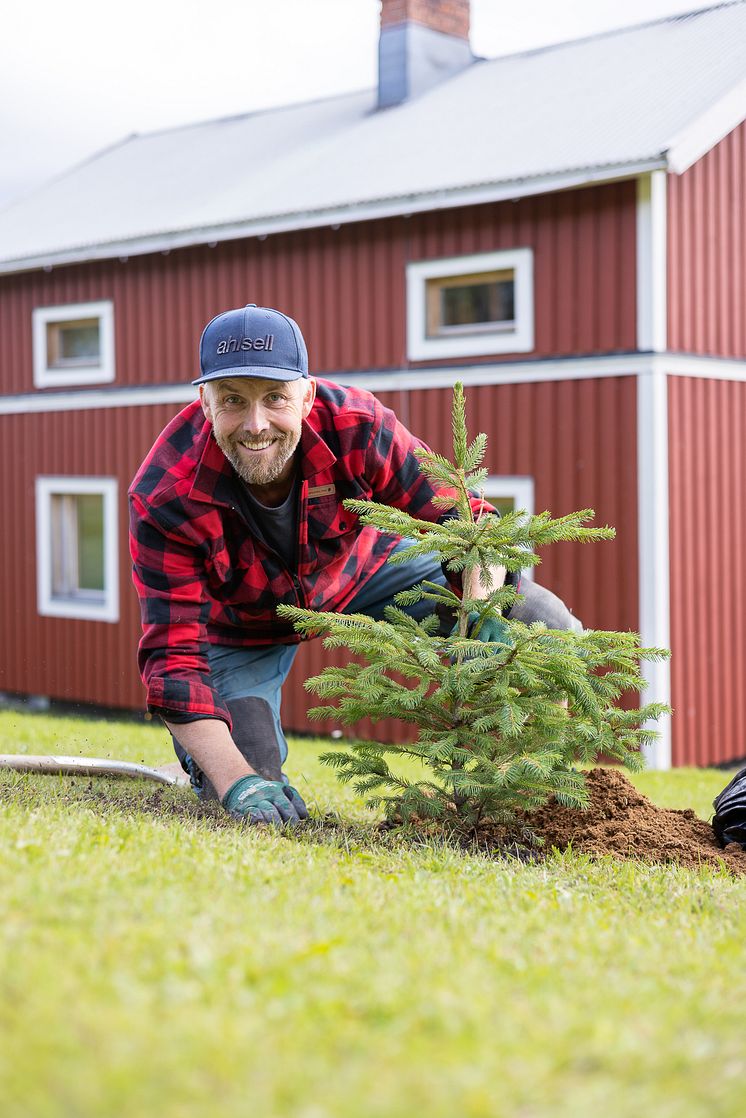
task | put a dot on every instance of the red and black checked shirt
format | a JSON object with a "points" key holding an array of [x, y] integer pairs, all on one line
{"points": [[204, 577]]}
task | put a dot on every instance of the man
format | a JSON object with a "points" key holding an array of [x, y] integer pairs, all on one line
{"points": [[238, 508]]}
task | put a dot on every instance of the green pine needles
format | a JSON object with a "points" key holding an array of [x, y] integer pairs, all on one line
{"points": [[500, 724]]}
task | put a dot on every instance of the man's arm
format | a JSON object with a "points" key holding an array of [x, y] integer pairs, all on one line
{"points": [[491, 630], [475, 588], [168, 570], [243, 792], [209, 742]]}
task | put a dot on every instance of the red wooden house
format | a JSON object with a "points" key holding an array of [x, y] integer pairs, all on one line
{"points": [[564, 230]]}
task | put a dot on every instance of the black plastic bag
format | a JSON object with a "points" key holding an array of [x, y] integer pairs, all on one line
{"points": [[729, 822]]}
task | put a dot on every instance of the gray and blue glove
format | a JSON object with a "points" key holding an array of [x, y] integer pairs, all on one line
{"points": [[264, 801]]}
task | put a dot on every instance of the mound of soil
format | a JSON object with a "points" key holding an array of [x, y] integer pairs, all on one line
{"points": [[621, 821]]}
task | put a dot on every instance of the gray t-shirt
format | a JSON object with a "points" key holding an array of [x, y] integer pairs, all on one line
{"points": [[278, 525]]}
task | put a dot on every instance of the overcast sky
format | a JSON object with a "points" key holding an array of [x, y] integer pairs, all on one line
{"points": [[77, 75]]}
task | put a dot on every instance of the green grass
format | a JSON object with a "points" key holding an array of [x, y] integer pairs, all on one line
{"points": [[158, 961]]}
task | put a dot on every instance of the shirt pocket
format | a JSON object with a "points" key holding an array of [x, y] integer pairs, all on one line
{"points": [[328, 518]]}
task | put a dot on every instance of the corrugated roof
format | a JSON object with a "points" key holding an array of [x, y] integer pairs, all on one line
{"points": [[577, 111]]}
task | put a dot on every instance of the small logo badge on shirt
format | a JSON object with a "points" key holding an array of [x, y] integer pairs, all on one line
{"points": [[320, 491]]}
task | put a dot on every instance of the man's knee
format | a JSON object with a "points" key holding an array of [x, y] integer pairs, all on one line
{"points": [[539, 604], [255, 735]]}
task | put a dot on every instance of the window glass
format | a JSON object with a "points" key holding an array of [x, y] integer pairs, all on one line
{"points": [[59, 548], [90, 509], [476, 303], [77, 539], [73, 343], [464, 304]]}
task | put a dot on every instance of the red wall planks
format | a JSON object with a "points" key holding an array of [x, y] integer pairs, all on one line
{"points": [[572, 437], [90, 661], [707, 252], [346, 286], [708, 600]]}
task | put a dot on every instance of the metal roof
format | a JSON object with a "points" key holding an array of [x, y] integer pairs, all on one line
{"points": [[614, 104]]}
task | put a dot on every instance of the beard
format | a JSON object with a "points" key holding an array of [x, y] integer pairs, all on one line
{"points": [[268, 466]]}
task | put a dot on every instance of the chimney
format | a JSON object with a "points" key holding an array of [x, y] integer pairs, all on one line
{"points": [[422, 43]]}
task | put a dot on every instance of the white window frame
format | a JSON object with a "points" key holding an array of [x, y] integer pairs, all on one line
{"points": [[48, 605], [482, 342], [518, 486], [46, 376]]}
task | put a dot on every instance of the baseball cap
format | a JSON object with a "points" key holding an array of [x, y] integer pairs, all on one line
{"points": [[252, 341]]}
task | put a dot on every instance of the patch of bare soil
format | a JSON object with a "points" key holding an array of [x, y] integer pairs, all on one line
{"points": [[622, 822]]}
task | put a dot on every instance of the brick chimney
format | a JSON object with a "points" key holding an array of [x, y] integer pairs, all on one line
{"points": [[422, 43]]}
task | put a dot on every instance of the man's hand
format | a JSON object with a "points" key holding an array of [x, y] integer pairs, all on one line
{"points": [[491, 630], [208, 741], [264, 801]]}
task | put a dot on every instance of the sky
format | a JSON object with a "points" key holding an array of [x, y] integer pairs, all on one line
{"points": [[79, 76]]}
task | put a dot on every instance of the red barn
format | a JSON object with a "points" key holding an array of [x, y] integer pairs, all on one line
{"points": [[563, 230]]}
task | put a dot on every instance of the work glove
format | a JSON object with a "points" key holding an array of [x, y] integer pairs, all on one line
{"points": [[491, 631], [264, 801]]}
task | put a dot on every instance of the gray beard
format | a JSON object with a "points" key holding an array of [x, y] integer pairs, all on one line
{"points": [[261, 473]]}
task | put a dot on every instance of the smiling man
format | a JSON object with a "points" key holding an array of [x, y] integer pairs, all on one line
{"points": [[238, 508], [257, 425]]}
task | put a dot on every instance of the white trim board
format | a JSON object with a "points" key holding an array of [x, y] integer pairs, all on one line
{"points": [[653, 551], [518, 339], [707, 129], [507, 372], [47, 604], [46, 375], [87, 399], [165, 241], [652, 293]]}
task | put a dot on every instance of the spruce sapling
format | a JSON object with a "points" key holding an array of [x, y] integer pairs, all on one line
{"points": [[500, 726]]}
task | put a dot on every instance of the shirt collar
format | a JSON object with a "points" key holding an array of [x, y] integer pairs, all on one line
{"points": [[214, 477]]}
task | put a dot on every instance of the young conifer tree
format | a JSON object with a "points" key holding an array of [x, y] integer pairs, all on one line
{"points": [[500, 726]]}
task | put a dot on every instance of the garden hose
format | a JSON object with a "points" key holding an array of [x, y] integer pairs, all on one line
{"points": [[91, 766]]}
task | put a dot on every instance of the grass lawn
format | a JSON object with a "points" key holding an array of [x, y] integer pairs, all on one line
{"points": [[155, 961]]}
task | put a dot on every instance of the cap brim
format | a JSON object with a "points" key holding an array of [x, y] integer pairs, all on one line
{"points": [[258, 372]]}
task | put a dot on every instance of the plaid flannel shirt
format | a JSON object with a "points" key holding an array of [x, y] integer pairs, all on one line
{"points": [[204, 576]]}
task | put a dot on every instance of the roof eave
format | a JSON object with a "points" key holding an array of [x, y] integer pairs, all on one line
{"points": [[708, 129], [363, 211]]}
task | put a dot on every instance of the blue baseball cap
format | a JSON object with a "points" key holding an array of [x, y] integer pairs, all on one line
{"points": [[252, 341]]}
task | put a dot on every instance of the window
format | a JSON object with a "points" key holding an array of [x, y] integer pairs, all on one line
{"points": [[73, 344], [508, 494], [468, 306], [76, 547]]}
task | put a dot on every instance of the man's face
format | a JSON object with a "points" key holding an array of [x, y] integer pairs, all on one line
{"points": [[257, 423]]}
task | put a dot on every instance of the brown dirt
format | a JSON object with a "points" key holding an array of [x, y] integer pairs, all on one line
{"points": [[620, 821]]}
